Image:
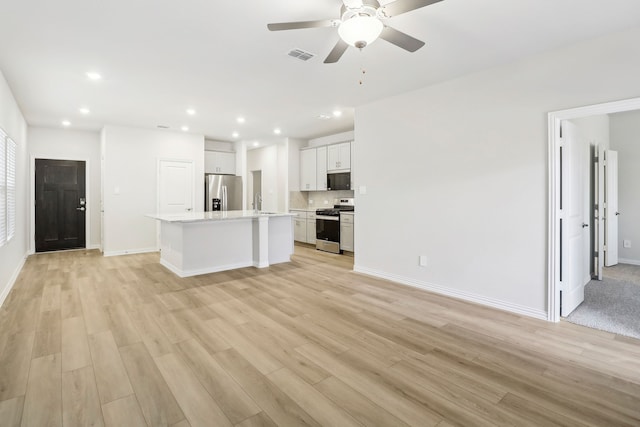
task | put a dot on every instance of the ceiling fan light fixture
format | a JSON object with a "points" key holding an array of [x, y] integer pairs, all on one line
{"points": [[360, 30]]}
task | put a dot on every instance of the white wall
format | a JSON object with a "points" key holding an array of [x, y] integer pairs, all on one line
{"points": [[65, 144], [12, 255], [625, 138], [131, 166], [595, 129], [464, 164]]}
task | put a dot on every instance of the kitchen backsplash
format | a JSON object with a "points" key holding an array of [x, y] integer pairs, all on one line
{"points": [[316, 199]]}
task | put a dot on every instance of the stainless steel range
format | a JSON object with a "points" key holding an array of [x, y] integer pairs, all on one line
{"points": [[328, 225]]}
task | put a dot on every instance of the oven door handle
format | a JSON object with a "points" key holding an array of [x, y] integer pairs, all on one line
{"points": [[327, 218]]}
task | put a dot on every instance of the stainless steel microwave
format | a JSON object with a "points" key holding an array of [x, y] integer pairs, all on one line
{"points": [[339, 181]]}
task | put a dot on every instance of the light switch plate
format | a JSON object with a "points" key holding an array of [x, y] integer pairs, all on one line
{"points": [[626, 243], [422, 260], [362, 189]]}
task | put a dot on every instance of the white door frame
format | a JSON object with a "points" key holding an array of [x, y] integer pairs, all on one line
{"points": [[554, 120]]}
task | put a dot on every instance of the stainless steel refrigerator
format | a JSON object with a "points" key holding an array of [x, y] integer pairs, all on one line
{"points": [[222, 192]]}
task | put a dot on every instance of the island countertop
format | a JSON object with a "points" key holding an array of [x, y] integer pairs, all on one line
{"points": [[214, 216]]}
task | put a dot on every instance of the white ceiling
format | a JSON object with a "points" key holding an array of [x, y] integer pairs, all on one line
{"points": [[160, 57]]}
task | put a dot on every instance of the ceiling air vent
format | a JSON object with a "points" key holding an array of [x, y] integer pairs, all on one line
{"points": [[163, 127], [301, 54]]}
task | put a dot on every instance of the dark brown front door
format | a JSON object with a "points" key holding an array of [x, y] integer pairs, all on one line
{"points": [[60, 205]]}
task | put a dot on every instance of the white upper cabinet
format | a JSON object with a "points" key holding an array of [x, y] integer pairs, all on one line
{"points": [[221, 162], [321, 169], [339, 157], [308, 170]]}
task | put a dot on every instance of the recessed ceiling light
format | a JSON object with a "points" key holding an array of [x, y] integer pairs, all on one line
{"points": [[93, 75], [240, 120], [277, 131], [337, 113], [191, 111], [66, 123], [324, 117], [185, 128], [235, 134], [84, 111], [255, 144]]}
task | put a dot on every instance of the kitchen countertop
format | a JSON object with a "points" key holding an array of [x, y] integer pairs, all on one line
{"points": [[214, 216]]}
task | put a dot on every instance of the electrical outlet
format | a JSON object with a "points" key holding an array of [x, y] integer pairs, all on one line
{"points": [[310, 202], [326, 202], [626, 243], [422, 260]]}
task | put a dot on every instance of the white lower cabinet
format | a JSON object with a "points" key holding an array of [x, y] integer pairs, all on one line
{"points": [[311, 228], [304, 223], [346, 232], [300, 229]]}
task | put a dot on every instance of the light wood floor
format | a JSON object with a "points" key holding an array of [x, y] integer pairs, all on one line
{"points": [[87, 340]]}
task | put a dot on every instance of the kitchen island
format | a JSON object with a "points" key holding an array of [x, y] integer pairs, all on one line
{"points": [[196, 243]]}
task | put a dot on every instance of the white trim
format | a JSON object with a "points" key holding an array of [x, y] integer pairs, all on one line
{"points": [[629, 261], [454, 293], [87, 194], [96, 246], [130, 252], [554, 120], [189, 273], [12, 281]]}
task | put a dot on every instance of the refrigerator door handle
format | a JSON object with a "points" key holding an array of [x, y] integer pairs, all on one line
{"points": [[224, 198]]}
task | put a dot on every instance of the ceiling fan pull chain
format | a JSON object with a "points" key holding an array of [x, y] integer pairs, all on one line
{"points": [[363, 71]]}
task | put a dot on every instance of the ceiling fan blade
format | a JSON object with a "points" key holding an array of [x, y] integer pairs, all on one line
{"points": [[401, 39], [336, 52], [399, 7], [303, 24]]}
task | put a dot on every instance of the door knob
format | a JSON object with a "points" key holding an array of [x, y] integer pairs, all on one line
{"points": [[584, 225], [80, 208], [617, 213]]}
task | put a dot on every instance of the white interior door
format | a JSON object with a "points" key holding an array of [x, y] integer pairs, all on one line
{"points": [[175, 187], [611, 208], [575, 235]]}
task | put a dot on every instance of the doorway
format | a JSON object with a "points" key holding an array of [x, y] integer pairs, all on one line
{"points": [[563, 256], [60, 205], [256, 200]]}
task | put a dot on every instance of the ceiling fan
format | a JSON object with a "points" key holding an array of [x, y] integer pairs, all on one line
{"points": [[360, 24]]}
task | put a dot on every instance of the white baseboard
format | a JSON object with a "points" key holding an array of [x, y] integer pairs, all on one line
{"points": [[628, 261], [12, 280], [189, 273], [130, 251], [90, 247], [467, 296]]}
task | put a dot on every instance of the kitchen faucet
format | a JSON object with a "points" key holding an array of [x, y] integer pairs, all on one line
{"points": [[257, 199]]}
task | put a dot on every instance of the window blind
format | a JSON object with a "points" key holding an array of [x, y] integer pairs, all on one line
{"points": [[3, 188], [11, 188]]}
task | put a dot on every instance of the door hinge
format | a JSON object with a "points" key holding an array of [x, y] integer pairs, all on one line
{"points": [[604, 248]]}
